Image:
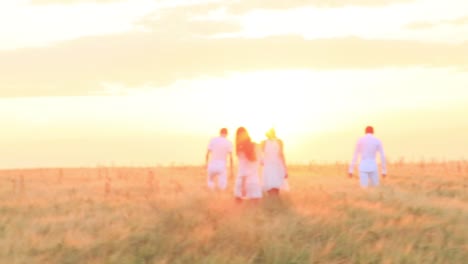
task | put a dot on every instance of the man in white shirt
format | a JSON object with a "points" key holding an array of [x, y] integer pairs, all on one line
{"points": [[219, 149], [367, 148]]}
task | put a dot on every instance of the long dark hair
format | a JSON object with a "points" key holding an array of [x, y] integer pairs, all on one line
{"points": [[244, 144]]}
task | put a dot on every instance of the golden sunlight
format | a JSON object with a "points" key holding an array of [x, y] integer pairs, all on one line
{"points": [[257, 101], [112, 146]]}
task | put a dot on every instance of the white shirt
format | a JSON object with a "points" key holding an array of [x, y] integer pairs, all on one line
{"points": [[367, 148], [220, 147]]}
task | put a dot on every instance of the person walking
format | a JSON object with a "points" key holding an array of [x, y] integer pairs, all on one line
{"points": [[219, 150], [366, 149], [247, 185], [274, 164]]}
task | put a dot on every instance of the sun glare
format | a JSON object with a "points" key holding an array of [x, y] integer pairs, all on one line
{"points": [[258, 101]]}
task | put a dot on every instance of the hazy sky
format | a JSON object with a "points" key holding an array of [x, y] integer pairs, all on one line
{"points": [[146, 82]]}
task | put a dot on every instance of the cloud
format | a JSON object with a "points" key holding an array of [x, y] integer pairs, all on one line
{"points": [[242, 6], [68, 2], [420, 25], [461, 21], [79, 67], [186, 22], [247, 5], [181, 28]]}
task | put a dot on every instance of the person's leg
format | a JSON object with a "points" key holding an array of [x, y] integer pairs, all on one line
{"points": [[374, 176], [210, 180], [364, 179], [211, 174], [244, 187], [222, 180]]}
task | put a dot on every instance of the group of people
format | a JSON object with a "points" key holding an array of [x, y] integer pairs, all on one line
{"points": [[251, 156], [268, 158]]}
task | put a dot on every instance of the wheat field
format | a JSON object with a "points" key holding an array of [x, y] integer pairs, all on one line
{"points": [[166, 215]]}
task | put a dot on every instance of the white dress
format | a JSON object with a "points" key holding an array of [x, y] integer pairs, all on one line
{"points": [[248, 174], [274, 171]]}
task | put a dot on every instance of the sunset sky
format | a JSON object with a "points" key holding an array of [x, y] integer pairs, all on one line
{"points": [[145, 82]]}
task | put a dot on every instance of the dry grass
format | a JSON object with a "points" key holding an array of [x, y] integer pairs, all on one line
{"points": [[165, 215]]}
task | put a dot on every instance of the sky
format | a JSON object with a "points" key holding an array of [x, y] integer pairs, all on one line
{"points": [[149, 82]]}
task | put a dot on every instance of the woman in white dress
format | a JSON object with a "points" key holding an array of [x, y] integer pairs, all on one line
{"points": [[274, 164], [247, 184]]}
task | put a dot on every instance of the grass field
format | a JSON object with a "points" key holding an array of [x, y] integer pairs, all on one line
{"points": [[165, 215]]}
